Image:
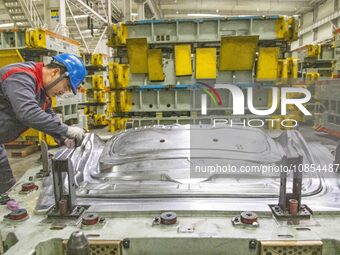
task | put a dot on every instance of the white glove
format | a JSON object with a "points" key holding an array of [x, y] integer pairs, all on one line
{"points": [[70, 143], [75, 133]]}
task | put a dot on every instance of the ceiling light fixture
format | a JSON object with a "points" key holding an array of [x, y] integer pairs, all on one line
{"points": [[203, 15], [80, 16], [7, 25]]}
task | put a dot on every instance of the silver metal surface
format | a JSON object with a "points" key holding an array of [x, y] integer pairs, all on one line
{"points": [[149, 169]]}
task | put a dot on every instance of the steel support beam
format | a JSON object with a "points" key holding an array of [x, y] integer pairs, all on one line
{"points": [[79, 31], [62, 17], [155, 9], [127, 7], [141, 10], [100, 39], [88, 10], [103, 7]]}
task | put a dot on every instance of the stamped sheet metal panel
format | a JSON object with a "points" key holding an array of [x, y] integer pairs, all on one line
{"points": [[157, 161], [163, 141], [137, 169]]}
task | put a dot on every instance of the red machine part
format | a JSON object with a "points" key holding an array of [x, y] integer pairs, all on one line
{"points": [[248, 217], [168, 218], [28, 186], [90, 219], [329, 131], [19, 214], [293, 206]]}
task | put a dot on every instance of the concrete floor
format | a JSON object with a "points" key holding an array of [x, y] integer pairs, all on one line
{"points": [[20, 165]]}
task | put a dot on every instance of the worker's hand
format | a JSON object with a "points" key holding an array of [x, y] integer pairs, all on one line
{"points": [[76, 133], [70, 143]]}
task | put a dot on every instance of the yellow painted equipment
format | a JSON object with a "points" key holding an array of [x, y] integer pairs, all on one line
{"points": [[117, 124], [138, 55], [112, 107], [98, 82], [113, 69], [312, 77], [183, 63], [48, 139], [10, 56], [124, 101], [293, 28], [206, 63], [293, 68], [122, 76], [267, 65], [282, 27], [99, 96], [118, 75], [98, 59], [35, 135], [283, 69], [288, 68], [45, 39], [36, 38], [30, 135], [155, 65], [122, 33], [100, 120], [111, 126], [314, 50], [54, 102], [87, 110], [119, 34], [238, 53]]}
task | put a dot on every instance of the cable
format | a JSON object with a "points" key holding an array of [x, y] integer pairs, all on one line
{"points": [[213, 90]]}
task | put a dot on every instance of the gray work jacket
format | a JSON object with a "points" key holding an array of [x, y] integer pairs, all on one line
{"points": [[24, 103]]}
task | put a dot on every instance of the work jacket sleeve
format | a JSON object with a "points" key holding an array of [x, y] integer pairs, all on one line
{"points": [[19, 90], [58, 138]]}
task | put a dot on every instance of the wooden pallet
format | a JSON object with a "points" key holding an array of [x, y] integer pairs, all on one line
{"points": [[24, 151]]}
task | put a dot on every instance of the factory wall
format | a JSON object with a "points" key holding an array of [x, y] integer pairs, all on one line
{"points": [[325, 31]]}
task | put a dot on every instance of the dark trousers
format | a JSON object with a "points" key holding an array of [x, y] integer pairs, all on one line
{"points": [[7, 179]]}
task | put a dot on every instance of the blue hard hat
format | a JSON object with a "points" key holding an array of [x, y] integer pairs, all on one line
{"points": [[75, 68]]}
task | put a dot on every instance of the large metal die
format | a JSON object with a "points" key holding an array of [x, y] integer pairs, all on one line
{"points": [[190, 30], [147, 165]]}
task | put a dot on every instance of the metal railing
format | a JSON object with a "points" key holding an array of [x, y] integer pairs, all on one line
{"points": [[31, 12]]}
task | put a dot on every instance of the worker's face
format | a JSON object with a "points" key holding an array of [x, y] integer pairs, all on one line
{"points": [[61, 87]]}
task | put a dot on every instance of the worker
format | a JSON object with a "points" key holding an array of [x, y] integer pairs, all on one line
{"points": [[26, 90]]}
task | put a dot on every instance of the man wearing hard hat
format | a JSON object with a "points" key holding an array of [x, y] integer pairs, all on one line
{"points": [[25, 102]]}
